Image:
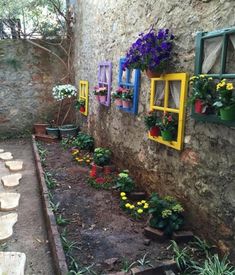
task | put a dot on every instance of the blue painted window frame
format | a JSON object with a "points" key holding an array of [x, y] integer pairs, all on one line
{"points": [[135, 85]]}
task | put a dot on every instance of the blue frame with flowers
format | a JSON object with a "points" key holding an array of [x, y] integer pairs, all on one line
{"points": [[129, 79]]}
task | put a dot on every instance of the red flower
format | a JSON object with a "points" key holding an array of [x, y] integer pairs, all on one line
{"points": [[169, 118], [100, 180]]}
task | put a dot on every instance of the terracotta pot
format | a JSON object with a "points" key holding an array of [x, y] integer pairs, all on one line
{"points": [[109, 169], [118, 102], [198, 106], [96, 169], [154, 131], [152, 74], [40, 128], [102, 98], [126, 104], [82, 109]]}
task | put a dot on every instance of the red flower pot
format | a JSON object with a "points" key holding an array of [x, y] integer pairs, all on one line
{"points": [[118, 102], [152, 74], [198, 106], [82, 109], [154, 131], [126, 104], [102, 98]]}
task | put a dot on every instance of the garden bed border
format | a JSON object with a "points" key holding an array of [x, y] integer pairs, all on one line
{"points": [[52, 231]]}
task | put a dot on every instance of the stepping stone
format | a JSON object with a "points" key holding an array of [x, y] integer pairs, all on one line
{"points": [[6, 156], [1, 151], [11, 180], [9, 201], [15, 165], [12, 263], [6, 225]]}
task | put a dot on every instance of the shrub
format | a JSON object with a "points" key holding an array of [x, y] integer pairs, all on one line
{"points": [[83, 142], [102, 156]]}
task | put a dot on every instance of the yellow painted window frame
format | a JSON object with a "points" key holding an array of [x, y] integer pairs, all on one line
{"points": [[183, 77], [84, 94]]}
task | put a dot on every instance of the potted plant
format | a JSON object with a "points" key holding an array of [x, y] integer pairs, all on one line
{"points": [[151, 121], [168, 127], [96, 93], [60, 93], [103, 94], [166, 214], [202, 95], [102, 157], [117, 97], [127, 97], [80, 105], [225, 101], [151, 52], [124, 182], [53, 129]]}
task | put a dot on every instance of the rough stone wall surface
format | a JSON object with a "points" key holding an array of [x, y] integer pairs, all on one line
{"points": [[27, 74], [202, 176]]}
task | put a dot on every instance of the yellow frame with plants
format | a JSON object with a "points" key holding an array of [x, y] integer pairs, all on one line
{"points": [[84, 94], [183, 78]]}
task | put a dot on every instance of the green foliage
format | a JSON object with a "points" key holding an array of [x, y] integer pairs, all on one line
{"points": [[68, 245], [50, 181], [3, 247], [165, 213], [100, 183], [126, 265], [124, 182], [61, 221], [127, 95], [13, 62], [144, 262], [83, 141], [80, 103], [102, 156], [54, 206], [151, 120], [214, 266], [181, 256], [42, 153], [225, 96], [201, 246]]}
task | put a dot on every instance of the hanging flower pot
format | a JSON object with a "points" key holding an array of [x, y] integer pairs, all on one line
{"points": [[97, 98], [118, 102], [152, 74], [154, 131], [198, 106], [228, 113], [166, 135], [126, 104], [102, 98], [82, 109]]}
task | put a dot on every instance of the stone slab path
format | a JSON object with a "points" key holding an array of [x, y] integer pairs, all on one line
{"points": [[29, 233]]}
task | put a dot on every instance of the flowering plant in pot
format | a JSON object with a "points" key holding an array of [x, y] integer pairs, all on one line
{"points": [[117, 96], [101, 157], [127, 97], [202, 93], [124, 182], [225, 101], [60, 93], [166, 214], [168, 126], [80, 105], [151, 121], [101, 93], [151, 52]]}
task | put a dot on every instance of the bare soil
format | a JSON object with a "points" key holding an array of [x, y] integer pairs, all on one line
{"points": [[98, 225]]}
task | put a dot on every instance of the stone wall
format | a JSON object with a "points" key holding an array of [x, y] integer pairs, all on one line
{"points": [[27, 74], [202, 176]]}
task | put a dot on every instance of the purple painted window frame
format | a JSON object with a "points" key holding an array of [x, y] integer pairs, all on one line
{"points": [[108, 83]]}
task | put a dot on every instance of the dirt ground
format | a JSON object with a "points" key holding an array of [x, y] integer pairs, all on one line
{"points": [[29, 232], [98, 225]]}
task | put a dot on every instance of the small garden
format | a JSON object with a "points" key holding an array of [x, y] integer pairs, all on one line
{"points": [[107, 224]]}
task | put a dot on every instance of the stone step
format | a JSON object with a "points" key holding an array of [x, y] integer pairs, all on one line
{"points": [[9, 201], [11, 180], [6, 156], [15, 165], [12, 263], [6, 225], [1, 150]]}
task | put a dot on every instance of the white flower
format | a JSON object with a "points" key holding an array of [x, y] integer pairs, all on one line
{"points": [[60, 92]]}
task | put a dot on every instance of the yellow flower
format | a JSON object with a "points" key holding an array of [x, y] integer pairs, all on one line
{"points": [[229, 86], [88, 161], [192, 78], [122, 194], [124, 198], [202, 75], [80, 160], [166, 213], [146, 205], [127, 205], [132, 206], [140, 211], [75, 152], [210, 78], [143, 201], [139, 203]]}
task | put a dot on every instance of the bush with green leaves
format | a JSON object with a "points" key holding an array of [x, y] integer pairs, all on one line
{"points": [[124, 182], [83, 141], [166, 214], [102, 156]]}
